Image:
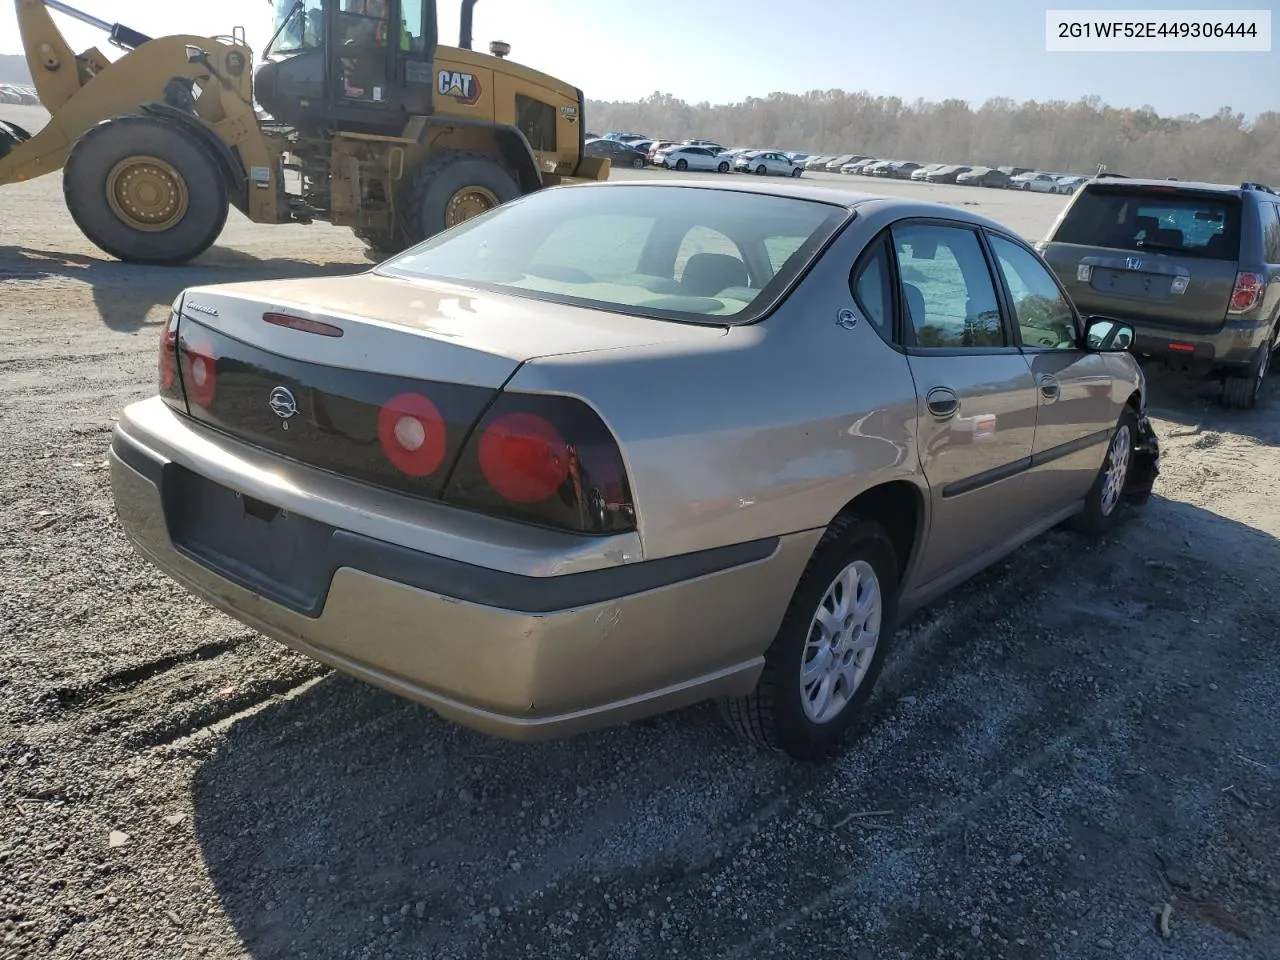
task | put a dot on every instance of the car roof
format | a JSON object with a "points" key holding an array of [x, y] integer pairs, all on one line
{"points": [[1200, 185], [849, 199]]}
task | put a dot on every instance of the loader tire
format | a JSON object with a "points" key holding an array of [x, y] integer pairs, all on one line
{"points": [[145, 190], [452, 187]]}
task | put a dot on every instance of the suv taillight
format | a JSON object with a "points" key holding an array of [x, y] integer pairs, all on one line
{"points": [[1247, 292], [548, 460]]}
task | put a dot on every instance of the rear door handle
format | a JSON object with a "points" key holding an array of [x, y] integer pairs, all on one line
{"points": [[1049, 387], [942, 402]]}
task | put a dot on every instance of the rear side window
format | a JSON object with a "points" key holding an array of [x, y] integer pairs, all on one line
{"points": [[872, 288], [1271, 230], [1161, 219]]}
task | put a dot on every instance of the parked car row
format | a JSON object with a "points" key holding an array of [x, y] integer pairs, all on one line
{"points": [[637, 151], [18, 93]]}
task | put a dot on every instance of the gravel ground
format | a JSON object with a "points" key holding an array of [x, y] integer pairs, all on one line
{"points": [[1074, 740]]}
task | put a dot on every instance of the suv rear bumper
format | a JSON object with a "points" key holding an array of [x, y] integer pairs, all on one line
{"points": [[1235, 344]]}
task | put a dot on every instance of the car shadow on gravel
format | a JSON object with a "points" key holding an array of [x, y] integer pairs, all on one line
{"points": [[1079, 698], [125, 294], [1194, 403]]}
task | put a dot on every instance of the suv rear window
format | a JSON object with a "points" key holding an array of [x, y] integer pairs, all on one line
{"points": [[1162, 219]]}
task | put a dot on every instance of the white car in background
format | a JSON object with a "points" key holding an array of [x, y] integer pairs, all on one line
{"points": [[1068, 184], [1035, 182], [766, 162], [686, 157]]}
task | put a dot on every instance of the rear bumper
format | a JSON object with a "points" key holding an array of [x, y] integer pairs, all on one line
{"points": [[1234, 345], [516, 655]]}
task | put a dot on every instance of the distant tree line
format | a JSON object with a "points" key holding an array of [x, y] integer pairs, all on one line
{"points": [[1054, 135]]}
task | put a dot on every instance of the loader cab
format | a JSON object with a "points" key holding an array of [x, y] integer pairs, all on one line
{"points": [[358, 65]]}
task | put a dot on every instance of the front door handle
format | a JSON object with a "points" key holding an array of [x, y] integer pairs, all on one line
{"points": [[1049, 387], [942, 402]]}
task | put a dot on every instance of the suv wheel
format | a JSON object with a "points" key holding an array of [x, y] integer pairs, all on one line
{"points": [[1241, 391]]}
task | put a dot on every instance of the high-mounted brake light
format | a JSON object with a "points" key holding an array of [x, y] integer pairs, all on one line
{"points": [[1247, 292], [303, 324]]}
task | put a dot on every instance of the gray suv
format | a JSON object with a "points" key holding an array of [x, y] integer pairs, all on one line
{"points": [[1194, 267]]}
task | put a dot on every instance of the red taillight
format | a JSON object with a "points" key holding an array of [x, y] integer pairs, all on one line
{"points": [[1183, 347], [303, 324], [199, 373], [524, 458], [412, 434], [548, 460], [168, 361], [1247, 293]]}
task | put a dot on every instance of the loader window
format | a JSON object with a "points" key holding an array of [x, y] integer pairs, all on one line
{"points": [[299, 25], [537, 121]]}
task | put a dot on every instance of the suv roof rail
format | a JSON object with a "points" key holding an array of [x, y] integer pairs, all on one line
{"points": [[1252, 185]]}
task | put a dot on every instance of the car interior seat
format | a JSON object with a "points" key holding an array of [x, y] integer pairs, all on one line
{"points": [[706, 274]]}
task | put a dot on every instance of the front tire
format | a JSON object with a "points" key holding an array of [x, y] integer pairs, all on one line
{"points": [[795, 171], [638, 163], [1103, 505], [451, 188], [145, 190], [824, 661], [723, 167]]}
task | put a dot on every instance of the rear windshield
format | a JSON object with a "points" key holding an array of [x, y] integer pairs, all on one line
{"points": [[672, 253], [1160, 219]]}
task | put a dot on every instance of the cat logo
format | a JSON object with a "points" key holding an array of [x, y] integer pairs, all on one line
{"points": [[463, 87]]}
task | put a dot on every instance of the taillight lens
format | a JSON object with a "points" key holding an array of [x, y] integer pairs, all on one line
{"points": [[548, 460], [412, 434], [1247, 292], [199, 369], [170, 388]]}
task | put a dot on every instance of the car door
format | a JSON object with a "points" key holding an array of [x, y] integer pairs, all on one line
{"points": [[1076, 403], [976, 396]]}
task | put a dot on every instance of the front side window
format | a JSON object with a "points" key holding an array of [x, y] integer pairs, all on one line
{"points": [[946, 287], [672, 253], [1043, 315]]}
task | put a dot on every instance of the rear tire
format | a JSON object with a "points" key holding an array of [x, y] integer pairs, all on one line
{"points": [[775, 713], [447, 186], [1242, 391], [1105, 502], [761, 170], [145, 190]]}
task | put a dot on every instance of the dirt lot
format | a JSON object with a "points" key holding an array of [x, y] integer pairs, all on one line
{"points": [[1074, 740]]}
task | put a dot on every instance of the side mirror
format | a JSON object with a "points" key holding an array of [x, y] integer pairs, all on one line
{"points": [[1105, 335]]}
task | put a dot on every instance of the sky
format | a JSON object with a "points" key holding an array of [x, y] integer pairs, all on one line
{"points": [[725, 52]]}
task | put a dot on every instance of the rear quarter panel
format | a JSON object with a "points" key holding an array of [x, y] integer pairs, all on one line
{"points": [[769, 430]]}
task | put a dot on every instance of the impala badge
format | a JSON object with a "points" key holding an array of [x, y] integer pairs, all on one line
{"points": [[283, 405]]}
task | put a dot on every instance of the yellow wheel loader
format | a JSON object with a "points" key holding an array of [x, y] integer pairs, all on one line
{"points": [[365, 121]]}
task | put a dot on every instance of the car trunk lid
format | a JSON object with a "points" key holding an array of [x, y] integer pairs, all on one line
{"points": [[321, 371]]}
